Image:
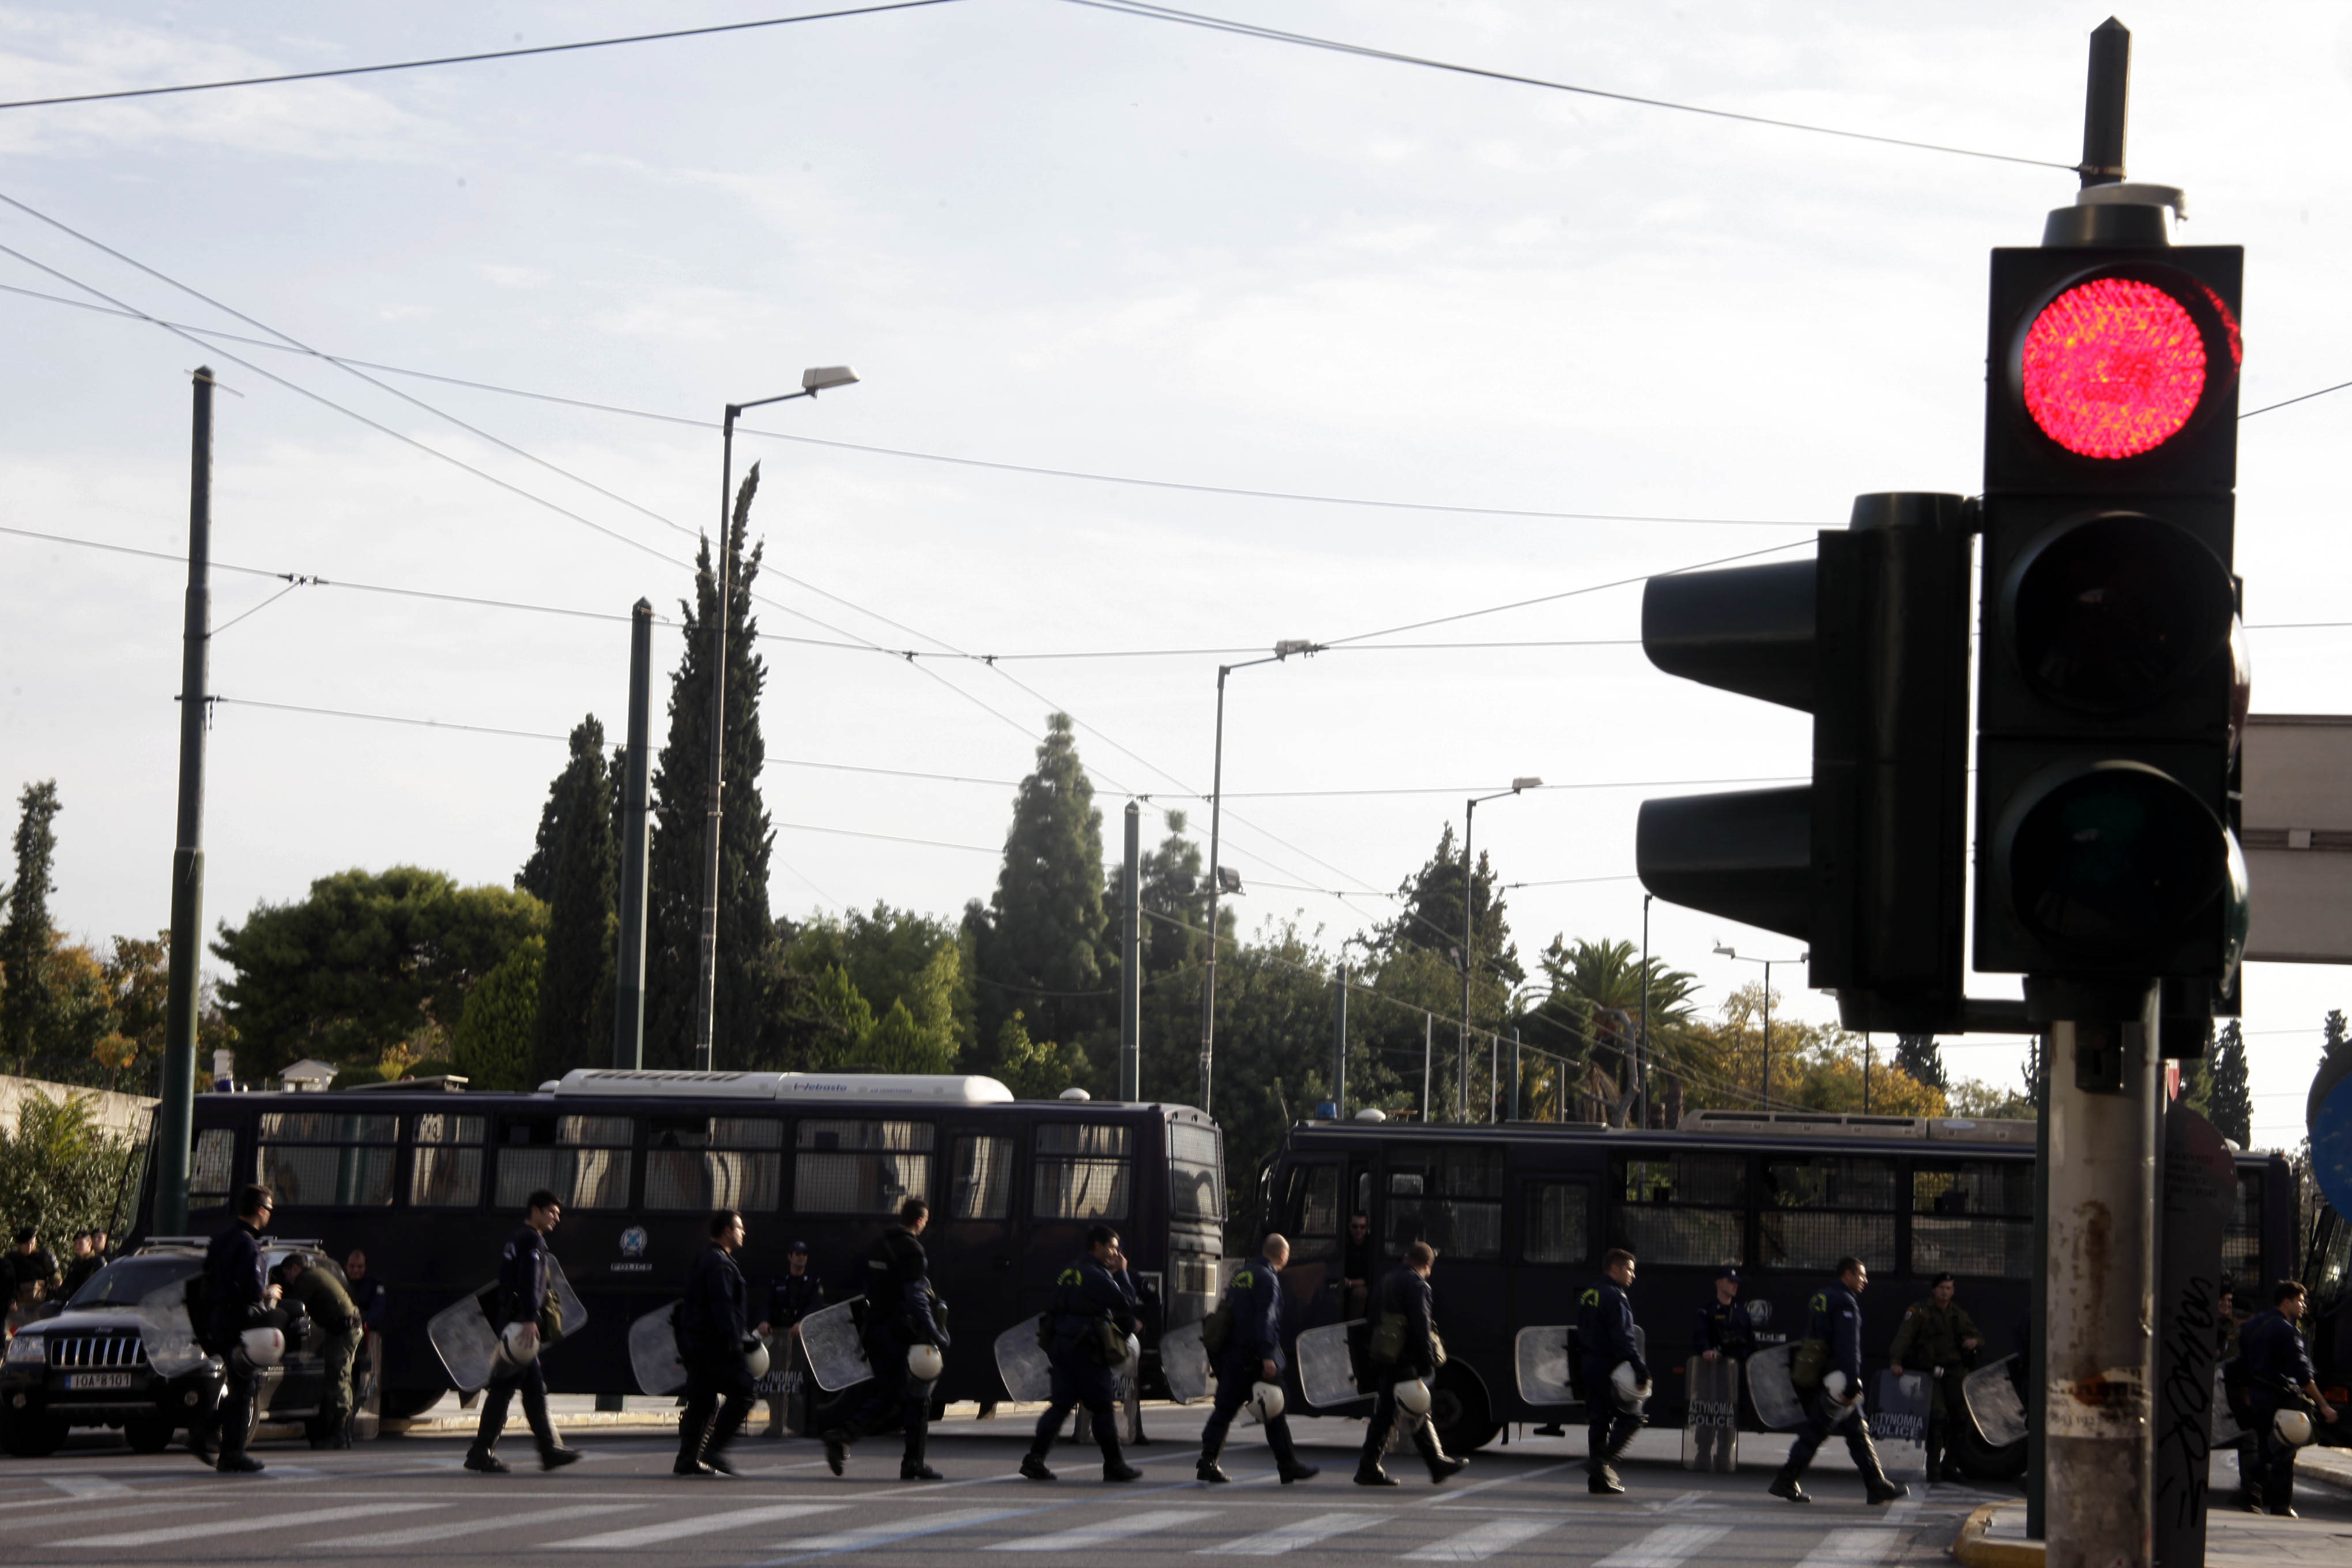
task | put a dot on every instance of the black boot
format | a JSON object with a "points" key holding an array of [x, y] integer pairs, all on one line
{"points": [[1208, 1470], [1286, 1458], [1784, 1485], [1115, 1467], [837, 1450], [911, 1467], [1876, 1487], [1032, 1463], [2280, 1495], [485, 1461], [1443, 1466]]}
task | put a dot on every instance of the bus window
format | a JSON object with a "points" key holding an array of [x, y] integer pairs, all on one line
{"points": [[1685, 1208], [1314, 1212], [861, 1167], [1449, 1198], [2241, 1243], [979, 1177], [319, 1159], [710, 1162], [582, 1160], [1973, 1216], [1196, 1177], [445, 1168], [213, 1170], [1818, 1208], [1082, 1170], [1558, 1222]]}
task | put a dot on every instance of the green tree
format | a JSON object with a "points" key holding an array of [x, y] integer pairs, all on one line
{"points": [[367, 961], [1041, 945], [681, 803], [581, 873], [1175, 904], [899, 957], [61, 1170], [1920, 1057], [1431, 921], [1037, 1069], [1974, 1098], [26, 939], [498, 1031], [2233, 1112], [1592, 1016]]}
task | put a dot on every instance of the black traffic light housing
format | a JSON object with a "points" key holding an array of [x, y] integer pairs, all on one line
{"points": [[1866, 863]]}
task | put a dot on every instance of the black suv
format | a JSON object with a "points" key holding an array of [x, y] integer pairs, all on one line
{"points": [[86, 1366]]}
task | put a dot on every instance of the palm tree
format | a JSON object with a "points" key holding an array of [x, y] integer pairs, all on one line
{"points": [[1587, 982]]}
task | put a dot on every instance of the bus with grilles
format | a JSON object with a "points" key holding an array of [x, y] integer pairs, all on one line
{"points": [[1521, 1214], [429, 1179]]}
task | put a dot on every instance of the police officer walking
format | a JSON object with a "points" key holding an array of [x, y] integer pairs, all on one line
{"points": [[2279, 1379], [1940, 1335], [902, 1314], [791, 1297], [337, 1322], [1253, 1353], [1604, 1325], [1835, 1396], [1407, 1323], [521, 1297], [1094, 1311], [238, 1297], [712, 1339]]}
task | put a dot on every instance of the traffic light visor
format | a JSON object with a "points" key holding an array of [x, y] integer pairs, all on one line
{"points": [[2112, 859], [2116, 364]]}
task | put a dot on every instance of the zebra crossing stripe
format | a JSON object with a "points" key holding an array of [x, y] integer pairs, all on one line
{"points": [[86, 1486], [416, 1533], [884, 1534], [701, 1524], [1478, 1544], [1665, 1548], [184, 1530], [1291, 1536], [1089, 1535], [1853, 1549]]}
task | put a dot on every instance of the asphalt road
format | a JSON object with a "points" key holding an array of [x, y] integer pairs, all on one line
{"points": [[405, 1500]]}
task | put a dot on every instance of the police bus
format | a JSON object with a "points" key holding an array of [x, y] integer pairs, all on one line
{"points": [[1521, 1213], [429, 1179]]}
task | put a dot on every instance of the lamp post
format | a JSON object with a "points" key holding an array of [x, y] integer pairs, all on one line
{"points": [[1767, 963], [1469, 903], [818, 379], [1217, 874]]}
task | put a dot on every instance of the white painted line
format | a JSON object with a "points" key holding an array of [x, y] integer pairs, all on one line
{"points": [[1853, 1549], [1665, 1548], [445, 1530], [701, 1524], [187, 1531], [89, 1486], [1291, 1536], [1477, 1544], [884, 1534], [1091, 1535]]}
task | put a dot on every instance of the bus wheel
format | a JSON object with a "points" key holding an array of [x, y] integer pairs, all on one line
{"points": [[1980, 1460], [403, 1403], [1459, 1410]]}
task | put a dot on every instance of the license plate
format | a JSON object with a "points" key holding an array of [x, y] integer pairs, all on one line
{"points": [[101, 1380]]}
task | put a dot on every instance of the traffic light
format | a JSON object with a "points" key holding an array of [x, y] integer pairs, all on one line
{"points": [[1866, 863], [2113, 673]]}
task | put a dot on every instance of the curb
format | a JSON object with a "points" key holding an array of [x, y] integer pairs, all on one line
{"points": [[1972, 1550]]}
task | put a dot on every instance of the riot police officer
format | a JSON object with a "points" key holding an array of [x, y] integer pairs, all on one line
{"points": [[902, 1313], [2279, 1376], [1604, 1327], [1253, 1353], [1406, 1321], [1721, 1329], [791, 1297], [1836, 1397], [712, 1339], [520, 1295], [337, 1322], [1095, 1304], [1939, 1334], [238, 1297]]}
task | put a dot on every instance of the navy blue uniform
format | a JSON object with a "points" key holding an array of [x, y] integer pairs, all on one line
{"points": [[235, 1274], [790, 1297], [1604, 1329], [899, 1317], [1723, 1327], [367, 1295], [711, 1335], [519, 1296], [1087, 1296], [2277, 1365], [1254, 1294], [1406, 1296], [1837, 1322]]}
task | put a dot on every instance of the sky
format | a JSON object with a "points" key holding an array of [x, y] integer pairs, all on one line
{"points": [[1056, 238]]}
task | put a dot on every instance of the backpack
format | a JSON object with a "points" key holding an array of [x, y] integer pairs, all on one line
{"points": [[1810, 1365], [1388, 1338], [1217, 1329]]}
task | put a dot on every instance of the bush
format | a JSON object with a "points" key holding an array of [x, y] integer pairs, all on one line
{"points": [[63, 1172]]}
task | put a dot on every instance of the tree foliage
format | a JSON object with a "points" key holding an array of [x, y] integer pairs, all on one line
{"points": [[578, 860], [62, 1171], [497, 1032], [2232, 1111], [1922, 1058], [1041, 945], [26, 939]]}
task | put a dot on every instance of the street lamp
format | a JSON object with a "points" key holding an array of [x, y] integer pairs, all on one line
{"points": [[820, 378], [1767, 963], [1219, 881], [1469, 872]]}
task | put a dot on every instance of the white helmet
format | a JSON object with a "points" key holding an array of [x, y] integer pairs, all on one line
{"points": [[1266, 1400], [755, 1360], [2293, 1426], [1834, 1384], [1413, 1394], [1631, 1392], [261, 1347], [519, 1343], [925, 1363]]}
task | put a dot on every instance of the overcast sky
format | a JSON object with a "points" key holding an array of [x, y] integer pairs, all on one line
{"points": [[1053, 237]]}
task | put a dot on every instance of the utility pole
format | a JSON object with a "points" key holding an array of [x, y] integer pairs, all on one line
{"points": [[636, 770], [1130, 961], [1428, 1044], [176, 1115], [1339, 1045]]}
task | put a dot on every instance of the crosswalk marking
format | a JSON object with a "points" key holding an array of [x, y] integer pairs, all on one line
{"points": [[1665, 1548], [416, 1533], [1290, 1537], [905, 1529], [1853, 1549], [89, 1486], [1477, 1544], [184, 1530], [1090, 1535], [702, 1524]]}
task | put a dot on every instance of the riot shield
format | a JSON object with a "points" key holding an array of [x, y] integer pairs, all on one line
{"points": [[1184, 1364], [2226, 1429], [574, 1310], [1023, 1363], [1540, 1357], [1898, 1421], [169, 1338], [653, 1353], [1778, 1406], [1993, 1405], [836, 1358], [1711, 1428], [1326, 1371], [462, 1337]]}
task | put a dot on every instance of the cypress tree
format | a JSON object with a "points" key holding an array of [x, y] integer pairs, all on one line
{"points": [[2233, 1112], [681, 805], [1043, 939], [25, 938], [1919, 1056], [581, 876]]}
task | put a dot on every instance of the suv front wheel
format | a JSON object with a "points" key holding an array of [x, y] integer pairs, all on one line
{"points": [[31, 1435]]}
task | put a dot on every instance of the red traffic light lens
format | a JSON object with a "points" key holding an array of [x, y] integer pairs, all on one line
{"points": [[2113, 367]]}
